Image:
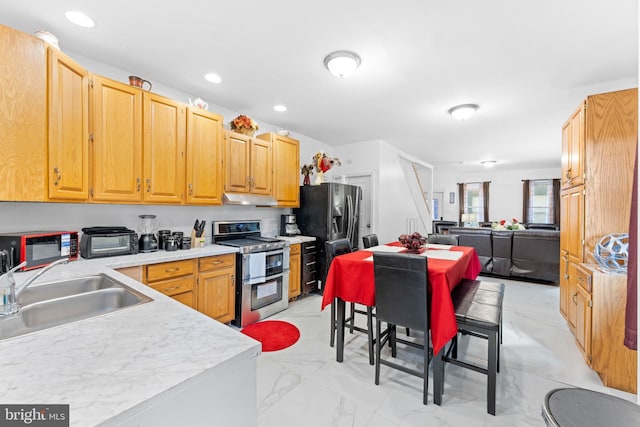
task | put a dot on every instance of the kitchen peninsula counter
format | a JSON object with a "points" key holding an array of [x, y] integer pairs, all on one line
{"points": [[154, 364]]}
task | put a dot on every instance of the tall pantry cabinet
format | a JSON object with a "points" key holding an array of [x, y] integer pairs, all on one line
{"points": [[598, 149]]}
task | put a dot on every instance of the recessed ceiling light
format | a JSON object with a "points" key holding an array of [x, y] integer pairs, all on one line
{"points": [[80, 19], [213, 77], [342, 63], [464, 111], [488, 163], [280, 108]]}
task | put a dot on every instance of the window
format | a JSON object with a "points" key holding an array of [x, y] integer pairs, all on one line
{"points": [[474, 204], [540, 200]]}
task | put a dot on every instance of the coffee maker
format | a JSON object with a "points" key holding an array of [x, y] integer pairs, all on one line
{"points": [[288, 226]]}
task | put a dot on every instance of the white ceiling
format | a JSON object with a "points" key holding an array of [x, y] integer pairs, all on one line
{"points": [[526, 63]]}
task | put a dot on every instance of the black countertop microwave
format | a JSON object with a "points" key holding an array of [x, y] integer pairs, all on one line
{"points": [[98, 242]]}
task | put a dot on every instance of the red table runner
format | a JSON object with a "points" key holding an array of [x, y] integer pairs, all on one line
{"points": [[351, 279]]}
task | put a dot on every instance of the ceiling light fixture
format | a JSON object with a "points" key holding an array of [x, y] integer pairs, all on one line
{"points": [[488, 163], [342, 63], [213, 77], [280, 108], [79, 18], [464, 111]]}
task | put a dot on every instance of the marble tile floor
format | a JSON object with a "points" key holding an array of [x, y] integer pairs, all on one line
{"points": [[303, 385]]}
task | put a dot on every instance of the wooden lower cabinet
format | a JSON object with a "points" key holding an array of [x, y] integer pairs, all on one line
{"points": [[600, 307], [176, 279], [217, 287], [583, 303], [295, 259]]}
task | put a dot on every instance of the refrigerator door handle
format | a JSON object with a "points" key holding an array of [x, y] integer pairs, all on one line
{"points": [[350, 219]]}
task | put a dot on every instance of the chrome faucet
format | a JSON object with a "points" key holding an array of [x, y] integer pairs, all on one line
{"points": [[9, 294]]}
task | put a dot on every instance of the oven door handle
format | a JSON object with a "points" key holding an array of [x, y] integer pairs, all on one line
{"points": [[273, 277], [276, 252]]}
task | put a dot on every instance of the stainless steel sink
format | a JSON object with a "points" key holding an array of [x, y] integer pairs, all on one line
{"points": [[64, 288], [66, 301]]}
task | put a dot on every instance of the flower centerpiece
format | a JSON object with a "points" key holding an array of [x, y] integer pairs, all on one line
{"points": [[506, 225], [245, 125], [322, 163], [413, 242]]}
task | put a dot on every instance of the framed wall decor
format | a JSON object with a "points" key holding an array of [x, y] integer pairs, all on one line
{"points": [[452, 197]]}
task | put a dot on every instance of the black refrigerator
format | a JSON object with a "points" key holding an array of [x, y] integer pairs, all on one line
{"points": [[329, 211]]}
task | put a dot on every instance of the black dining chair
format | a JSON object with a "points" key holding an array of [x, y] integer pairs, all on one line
{"points": [[335, 248], [443, 239], [370, 240], [402, 299]]}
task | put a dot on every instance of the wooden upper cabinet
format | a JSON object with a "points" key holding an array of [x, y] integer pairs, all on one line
{"points": [[204, 157], [574, 224], [23, 117], [261, 167], [68, 95], [164, 140], [237, 162], [116, 151], [286, 169], [248, 164], [573, 149]]}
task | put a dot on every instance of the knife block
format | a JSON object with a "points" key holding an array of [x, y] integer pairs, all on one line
{"points": [[196, 242]]}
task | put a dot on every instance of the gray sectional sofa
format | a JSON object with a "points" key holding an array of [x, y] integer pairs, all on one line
{"points": [[520, 254]]}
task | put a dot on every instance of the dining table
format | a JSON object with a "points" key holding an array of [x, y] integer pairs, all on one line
{"points": [[351, 279]]}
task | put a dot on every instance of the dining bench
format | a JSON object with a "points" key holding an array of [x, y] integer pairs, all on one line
{"points": [[478, 308]]}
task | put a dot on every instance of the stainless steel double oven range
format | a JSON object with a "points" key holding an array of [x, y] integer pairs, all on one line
{"points": [[262, 270]]}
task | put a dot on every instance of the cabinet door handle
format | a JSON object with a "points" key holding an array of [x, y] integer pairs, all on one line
{"points": [[58, 175], [249, 181], [216, 262], [575, 298], [191, 189], [138, 184], [173, 288], [148, 185], [171, 270], [310, 263]]}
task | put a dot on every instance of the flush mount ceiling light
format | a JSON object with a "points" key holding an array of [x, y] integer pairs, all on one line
{"points": [[464, 111], [488, 163], [342, 63], [213, 77], [80, 19], [280, 108]]}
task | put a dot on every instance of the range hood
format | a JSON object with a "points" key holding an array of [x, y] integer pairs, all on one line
{"points": [[249, 199]]}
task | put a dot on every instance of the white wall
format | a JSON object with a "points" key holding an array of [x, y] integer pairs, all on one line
{"points": [[505, 190], [74, 216]]}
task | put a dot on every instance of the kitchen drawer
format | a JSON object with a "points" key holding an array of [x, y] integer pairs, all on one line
{"points": [[168, 270], [309, 247], [584, 279], [308, 275], [295, 249], [307, 258], [308, 264], [215, 262], [174, 286]]}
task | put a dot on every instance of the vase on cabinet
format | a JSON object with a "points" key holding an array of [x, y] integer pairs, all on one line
{"points": [[319, 179]]}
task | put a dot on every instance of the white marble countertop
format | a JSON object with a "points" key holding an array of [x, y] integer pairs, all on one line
{"points": [[109, 364], [296, 239]]}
